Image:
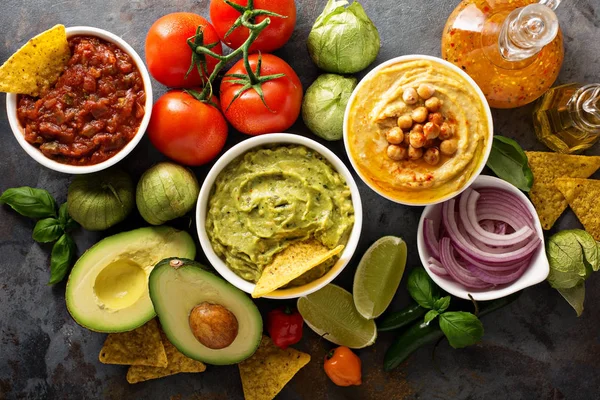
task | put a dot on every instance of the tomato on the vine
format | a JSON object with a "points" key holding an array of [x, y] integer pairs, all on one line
{"points": [[273, 37], [187, 130], [168, 54], [283, 96]]}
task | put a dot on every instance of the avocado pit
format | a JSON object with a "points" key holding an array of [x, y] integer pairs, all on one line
{"points": [[213, 325]]}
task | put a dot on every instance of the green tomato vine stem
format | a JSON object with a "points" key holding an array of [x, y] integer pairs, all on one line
{"points": [[251, 79]]}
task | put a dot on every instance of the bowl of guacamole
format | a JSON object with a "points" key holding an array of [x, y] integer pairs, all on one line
{"points": [[271, 192]]}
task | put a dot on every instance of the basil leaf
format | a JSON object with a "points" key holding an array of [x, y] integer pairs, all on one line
{"points": [[430, 316], [422, 289], [572, 255], [63, 253], [575, 296], [30, 202], [509, 162], [65, 219], [461, 328], [47, 230], [442, 304]]}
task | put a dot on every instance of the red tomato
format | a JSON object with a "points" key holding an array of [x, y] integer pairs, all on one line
{"points": [[187, 130], [271, 38], [248, 113], [167, 53]]}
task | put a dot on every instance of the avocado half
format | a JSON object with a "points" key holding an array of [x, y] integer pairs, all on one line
{"points": [[107, 289], [177, 286]]}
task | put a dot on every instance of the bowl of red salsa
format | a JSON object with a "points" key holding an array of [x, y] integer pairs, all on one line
{"points": [[94, 115]]}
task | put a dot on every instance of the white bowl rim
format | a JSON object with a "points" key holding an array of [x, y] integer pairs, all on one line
{"points": [[36, 154], [536, 272], [488, 113], [265, 140]]}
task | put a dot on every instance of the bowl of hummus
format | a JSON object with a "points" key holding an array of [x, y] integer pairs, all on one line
{"points": [[418, 130], [268, 194]]}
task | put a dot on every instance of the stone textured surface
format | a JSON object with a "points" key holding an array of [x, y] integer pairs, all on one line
{"points": [[534, 349]]}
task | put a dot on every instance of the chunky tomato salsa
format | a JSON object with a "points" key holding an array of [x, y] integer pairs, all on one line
{"points": [[94, 109]]}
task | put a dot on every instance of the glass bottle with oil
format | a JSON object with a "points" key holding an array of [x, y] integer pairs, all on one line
{"points": [[567, 117], [513, 49]]}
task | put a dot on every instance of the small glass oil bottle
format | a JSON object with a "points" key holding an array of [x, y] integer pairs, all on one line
{"points": [[567, 118]]}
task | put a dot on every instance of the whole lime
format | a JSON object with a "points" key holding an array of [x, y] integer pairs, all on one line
{"points": [[100, 200], [165, 192]]}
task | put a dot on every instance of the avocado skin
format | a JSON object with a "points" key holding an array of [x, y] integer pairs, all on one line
{"points": [[81, 305], [168, 303]]}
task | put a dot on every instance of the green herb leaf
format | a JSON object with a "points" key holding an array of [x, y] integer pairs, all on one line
{"points": [[461, 328], [442, 304], [30, 202], [575, 296], [67, 223], [509, 162], [430, 316], [63, 253], [422, 289], [573, 255], [47, 230]]}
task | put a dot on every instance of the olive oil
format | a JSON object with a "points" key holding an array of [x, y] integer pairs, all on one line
{"points": [[513, 49], [567, 117]]}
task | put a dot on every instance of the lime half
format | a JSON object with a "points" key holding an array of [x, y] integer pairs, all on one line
{"points": [[378, 275], [330, 312]]}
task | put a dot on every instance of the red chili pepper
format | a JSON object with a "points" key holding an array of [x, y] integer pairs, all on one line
{"points": [[285, 326]]}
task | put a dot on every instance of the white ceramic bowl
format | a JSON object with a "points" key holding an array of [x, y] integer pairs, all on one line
{"points": [[36, 154], [238, 150], [475, 88], [536, 272]]}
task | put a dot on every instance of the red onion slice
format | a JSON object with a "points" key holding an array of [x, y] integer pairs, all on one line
{"points": [[504, 197], [431, 241], [498, 278], [487, 224], [455, 270], [460, 242], [468, 216], [498, 267]]}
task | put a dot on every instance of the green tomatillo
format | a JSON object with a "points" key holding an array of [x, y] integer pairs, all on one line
{"points": [[100, 200]]}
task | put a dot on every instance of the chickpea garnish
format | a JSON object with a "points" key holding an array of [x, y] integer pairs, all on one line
{"points": [[432, 156], [446, 131], [414, 154], [417, 139], [410, 96], [425, 91], [436, 118], [396, 153], [405, 122], [449, 147], [395, 136], [433, 104], [430, 143], [419, 114], [406, 140], [417, 128], [431, 130]]}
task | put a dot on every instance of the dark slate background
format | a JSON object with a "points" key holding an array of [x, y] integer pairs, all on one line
{"points": [[534, 349]]}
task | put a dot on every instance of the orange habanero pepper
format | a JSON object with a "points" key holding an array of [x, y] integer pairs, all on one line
{"points": [[343, 367]]}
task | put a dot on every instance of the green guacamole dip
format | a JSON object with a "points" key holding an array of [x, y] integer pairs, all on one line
{"points": [[267, 199]]}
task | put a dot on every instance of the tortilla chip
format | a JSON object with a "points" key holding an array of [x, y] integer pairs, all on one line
{"points": [[142, 346], [37, 65], [546, 168], [269, 370], [177, 363], [583, 195], [292, 263]]}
